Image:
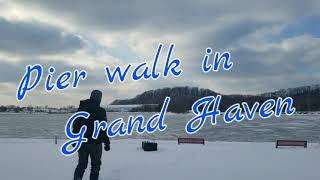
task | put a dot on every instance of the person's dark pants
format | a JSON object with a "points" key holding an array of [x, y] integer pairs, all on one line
{"points": [[95, 152]]}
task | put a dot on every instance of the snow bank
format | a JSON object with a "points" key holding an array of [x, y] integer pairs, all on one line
{"points": [[40, 159]]}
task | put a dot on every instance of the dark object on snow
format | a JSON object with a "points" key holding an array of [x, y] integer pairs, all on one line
{"points": [[291, 143], [95, 152], [149, 146], [92, 106], [93, 147], [191, 140]]}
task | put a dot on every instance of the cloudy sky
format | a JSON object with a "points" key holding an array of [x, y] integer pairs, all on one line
{"points": [[274, 44]]}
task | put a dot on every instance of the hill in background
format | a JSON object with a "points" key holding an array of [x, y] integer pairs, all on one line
{"points": [[306, 98]]}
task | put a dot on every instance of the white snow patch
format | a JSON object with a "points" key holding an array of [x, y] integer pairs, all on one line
{"points": [[41, 160]]}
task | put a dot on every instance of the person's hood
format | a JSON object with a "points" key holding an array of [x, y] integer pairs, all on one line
{"points": [[96, 96]]}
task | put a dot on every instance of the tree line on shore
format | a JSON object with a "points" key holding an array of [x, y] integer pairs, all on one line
{"points": [[37, 109], [306, 98]]}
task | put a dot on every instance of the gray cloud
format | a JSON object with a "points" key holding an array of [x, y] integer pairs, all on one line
{"points": [[171, 16], [261, 64], [9, 72], [33, 38]]}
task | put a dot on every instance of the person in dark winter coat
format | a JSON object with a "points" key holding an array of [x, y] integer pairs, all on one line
{"points": [[93, 147]]}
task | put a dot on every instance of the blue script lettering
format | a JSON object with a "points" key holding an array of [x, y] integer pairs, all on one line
{"points": [[217, 60], [229, 116], [97, 127], [143, 71], [208, 107], [204, 103], [266, 110], [119, 125], [288, 102], [75, 138], [26, 84], [155, 122]]}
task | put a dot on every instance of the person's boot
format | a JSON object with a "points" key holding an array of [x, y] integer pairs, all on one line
{"points": [[94, 176], [78, 175]]}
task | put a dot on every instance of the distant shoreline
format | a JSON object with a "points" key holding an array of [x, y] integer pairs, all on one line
{"points": [[296, 113]]}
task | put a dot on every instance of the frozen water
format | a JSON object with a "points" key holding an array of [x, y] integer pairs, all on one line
{"points": [[46, 126]]}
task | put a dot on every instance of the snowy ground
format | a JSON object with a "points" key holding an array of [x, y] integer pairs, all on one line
{"points": [[40, 160]]}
